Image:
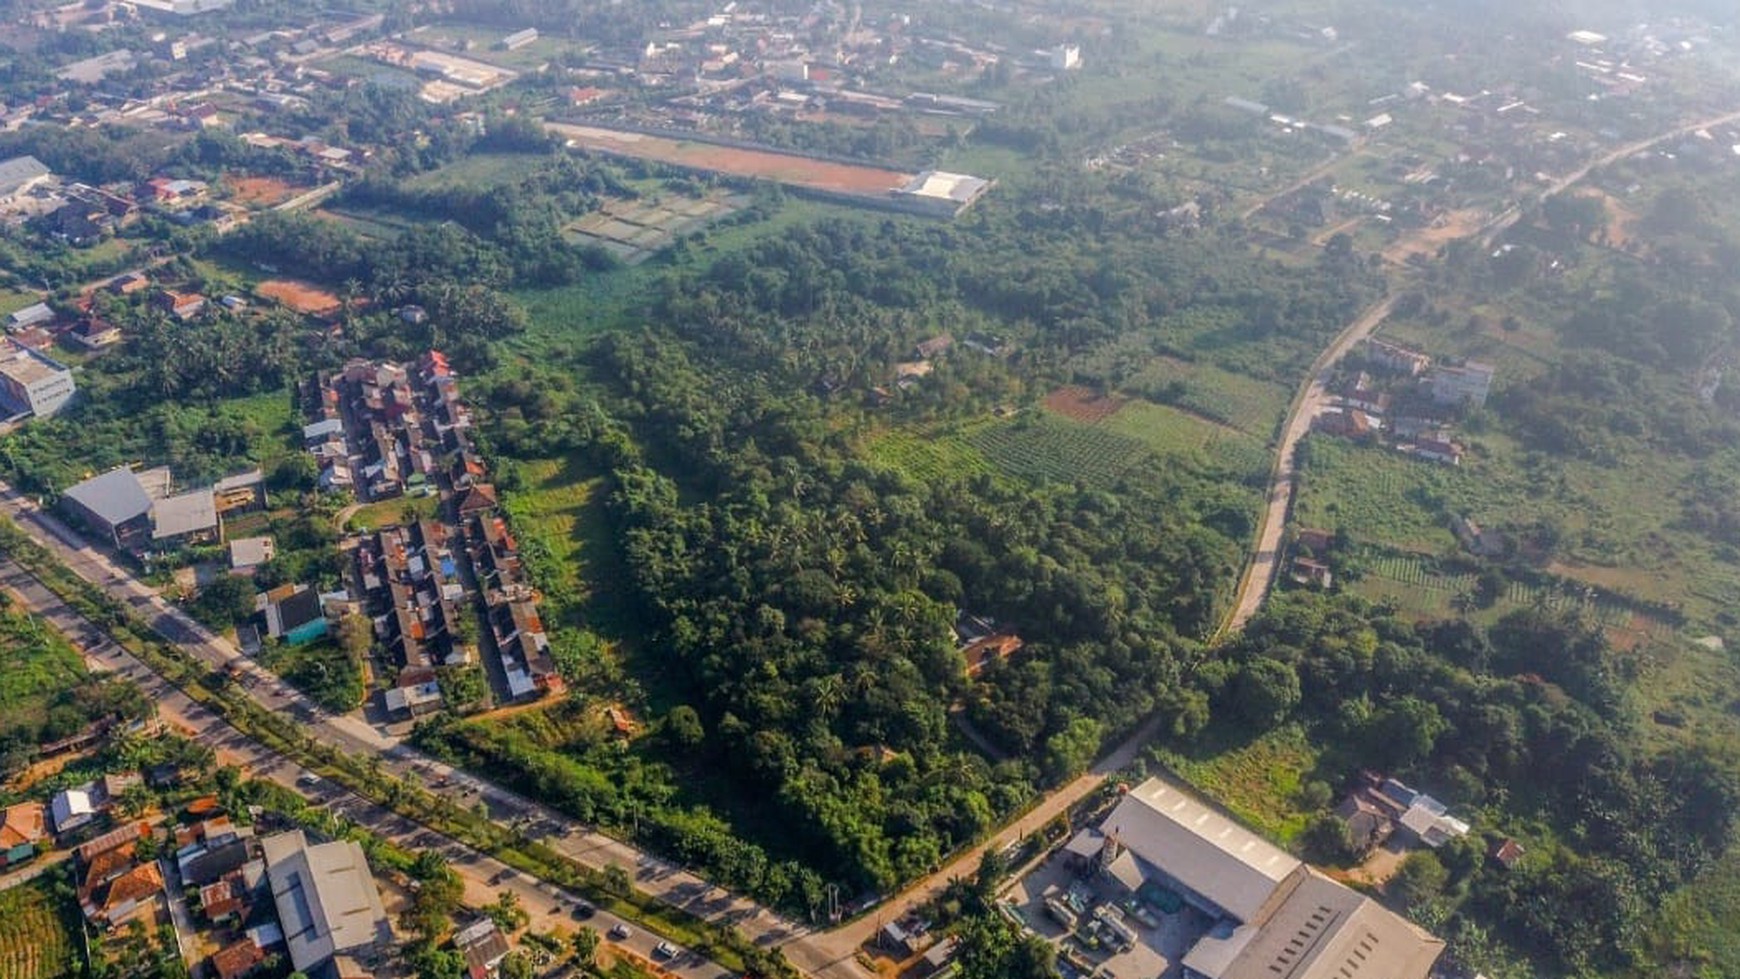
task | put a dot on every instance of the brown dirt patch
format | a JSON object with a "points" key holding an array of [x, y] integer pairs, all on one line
{"points": [[1448, 227], [303, 297], [1080, 404], [262, 191], [785, 168]]}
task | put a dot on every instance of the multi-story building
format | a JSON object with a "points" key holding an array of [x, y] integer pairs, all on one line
{"points": [[32, 383]]}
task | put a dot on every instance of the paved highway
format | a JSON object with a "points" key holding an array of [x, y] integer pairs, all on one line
{"points": [[484, 876]]}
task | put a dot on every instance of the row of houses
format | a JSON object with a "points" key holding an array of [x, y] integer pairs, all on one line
{"points": [[386, 430]]}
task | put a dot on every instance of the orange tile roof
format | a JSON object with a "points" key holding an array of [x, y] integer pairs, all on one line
{"points": [[23, 823], [142, 881]]}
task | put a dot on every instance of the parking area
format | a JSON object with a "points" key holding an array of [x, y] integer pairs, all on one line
{"points": [[1161, 939]]}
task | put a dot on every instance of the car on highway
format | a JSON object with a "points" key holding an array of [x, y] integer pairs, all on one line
{"points": [[583, 910], [621, 932], [664, 950]]}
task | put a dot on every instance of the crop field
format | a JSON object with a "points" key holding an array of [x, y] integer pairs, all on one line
{"points": [[785, 168], [34, 941], [1047, 449], [633, 230], [370, 224], [931, 457], [1171, 432], [1245, 403], [1416, 585]]}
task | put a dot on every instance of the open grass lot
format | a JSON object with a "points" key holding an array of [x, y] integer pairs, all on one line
{"points": [[374, 516], [478, 171], [1617, 526], [559, 519], [13, 300], [484, 44], [35, 941], [38, 665], [1258, 782]]}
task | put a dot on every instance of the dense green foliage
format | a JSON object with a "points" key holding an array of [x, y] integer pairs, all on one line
{"points": [[1529, 722]]}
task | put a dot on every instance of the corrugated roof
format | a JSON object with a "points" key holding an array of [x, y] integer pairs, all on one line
{"points": [[1322, 930], [326, 898], [18, 171], [188, 513], [115, 497], [1225, 863]]}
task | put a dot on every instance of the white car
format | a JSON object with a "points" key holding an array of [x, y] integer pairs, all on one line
{"points": [[665, 950]]}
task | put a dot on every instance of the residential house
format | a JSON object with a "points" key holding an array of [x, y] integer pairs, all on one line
{"points": [[1358, 392], [1478, 541], [237, 960], [129, 283], [241, 493], [125, 897], [32, 383], [1424, 818], [292, 613], [1351, 423], [1437, 450], [1507, 853], [327, 901], [483, 947], [36, 314], [1315, 541], [935, 346], [94, 333], [1316, 574], [413, 700], [479, 499], [173, 192], [181, 305], [73, 809], [21, 827], [1368, 823], [185, 519], [982, 652]]}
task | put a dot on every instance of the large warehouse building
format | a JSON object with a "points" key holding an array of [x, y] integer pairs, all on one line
{"points": [[1276, 918]]}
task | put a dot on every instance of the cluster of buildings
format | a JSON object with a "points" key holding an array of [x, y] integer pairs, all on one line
{"points": [[386, 430], [1379, 807], [410, 582], [1251, 910], [139, 510], [1365, 405]]}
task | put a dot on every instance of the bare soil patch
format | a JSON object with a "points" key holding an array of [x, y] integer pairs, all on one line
{"points": [[1080, 404], [786, 168], [303, 297], [261, 192], [1449, 227]]}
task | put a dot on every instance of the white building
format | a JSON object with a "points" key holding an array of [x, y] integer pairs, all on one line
{"points": [[1273, 915], [1465, 386], [32, 383], [327, 901], [72, 808], [942, 193], [1066, 57]]}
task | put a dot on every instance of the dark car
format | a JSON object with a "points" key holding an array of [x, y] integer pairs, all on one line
{"points": [[583, 910]]}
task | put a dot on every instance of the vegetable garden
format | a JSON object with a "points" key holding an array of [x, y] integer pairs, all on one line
{"points": [[34, 941]]}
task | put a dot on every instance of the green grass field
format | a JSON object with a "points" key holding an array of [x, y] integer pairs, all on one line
{"points": [[374, 516], [1170, 432], [1258, 782], [563, 530], [35, 942], [477, 172], [39, 664]]}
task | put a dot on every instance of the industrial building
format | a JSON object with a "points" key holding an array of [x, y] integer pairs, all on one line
{"points": [[328, 906], [939, 193]]}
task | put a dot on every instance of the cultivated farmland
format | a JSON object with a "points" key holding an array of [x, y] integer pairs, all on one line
{"points": [[1046, 449], [34, 942]]}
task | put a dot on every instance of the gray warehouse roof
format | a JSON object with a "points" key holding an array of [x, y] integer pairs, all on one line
{"points": [[115, 497], [326, 898], [188, 513], [1205, 851], [1318, 929]]}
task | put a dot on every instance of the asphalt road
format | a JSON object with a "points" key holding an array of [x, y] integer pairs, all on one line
{"points": [[484, 876]]}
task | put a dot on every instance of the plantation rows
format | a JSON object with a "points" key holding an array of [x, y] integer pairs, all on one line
{"points": [[1053, 451], [926, 457], [1413, 571], [33, 940]]}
